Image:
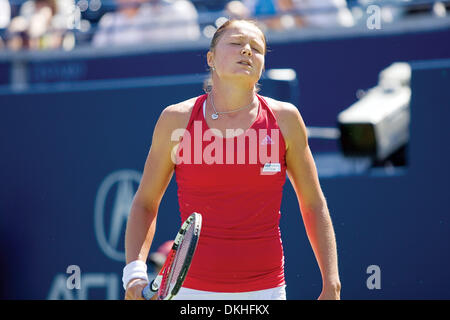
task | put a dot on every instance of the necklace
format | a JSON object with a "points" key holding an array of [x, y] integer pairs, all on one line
{"points": [[216, 113]]}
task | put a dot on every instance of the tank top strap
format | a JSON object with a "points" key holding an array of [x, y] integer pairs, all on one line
{"points": [[271, 118], [197, 110], [270, 122]]}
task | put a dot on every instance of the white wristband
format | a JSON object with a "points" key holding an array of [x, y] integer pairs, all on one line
{"points": [[134, 270]]}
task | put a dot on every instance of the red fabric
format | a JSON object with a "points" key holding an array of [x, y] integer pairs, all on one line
{"points": [[240, 245]]}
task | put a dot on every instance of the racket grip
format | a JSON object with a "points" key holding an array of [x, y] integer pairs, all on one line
{"points": [[147, 292]]}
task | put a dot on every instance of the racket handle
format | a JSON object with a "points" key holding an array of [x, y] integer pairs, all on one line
{"points": [[147, 292], [151, 288]]}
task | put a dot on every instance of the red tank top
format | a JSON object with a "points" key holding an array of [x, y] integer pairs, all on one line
{"points": [[236, 184]]}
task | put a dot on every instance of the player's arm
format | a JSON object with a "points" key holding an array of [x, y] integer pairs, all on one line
{"points": [[158, 171], [303, 175]]}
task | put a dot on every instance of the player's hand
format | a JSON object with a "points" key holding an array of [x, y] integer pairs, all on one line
{"points": [[330, 293], [134, 290]]}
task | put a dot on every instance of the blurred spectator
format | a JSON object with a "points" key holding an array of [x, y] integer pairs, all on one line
{"points": [[324, 13], [5, 17], [43, 24], [287, 14], [5, 14], [140, 21], [273, 14]]}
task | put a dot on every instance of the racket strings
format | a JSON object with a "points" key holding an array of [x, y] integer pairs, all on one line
{"points": [[180, 257], [182, 252], [175, 267]]}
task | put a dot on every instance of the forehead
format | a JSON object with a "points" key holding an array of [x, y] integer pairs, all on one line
{"points": [[244, 30]]}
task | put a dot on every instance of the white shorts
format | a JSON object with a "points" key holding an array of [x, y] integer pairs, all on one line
{"points": [[278, 293]]}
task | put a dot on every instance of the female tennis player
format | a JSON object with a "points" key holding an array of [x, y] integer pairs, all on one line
{"points": [[230, 161]]}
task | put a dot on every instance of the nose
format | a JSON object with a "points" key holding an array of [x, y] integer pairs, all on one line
{"points": [[246, 51]]}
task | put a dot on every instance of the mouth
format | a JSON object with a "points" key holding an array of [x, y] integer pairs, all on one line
{"points": [[245, 63]]}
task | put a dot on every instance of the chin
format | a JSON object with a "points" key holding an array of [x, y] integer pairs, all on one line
{"points": [[242, 76], [248, 74]]}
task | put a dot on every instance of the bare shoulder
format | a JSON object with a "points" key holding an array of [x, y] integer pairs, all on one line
{"points": [[281, 107], [288, 118], [177, 115], [285, 112], [180, 110]]}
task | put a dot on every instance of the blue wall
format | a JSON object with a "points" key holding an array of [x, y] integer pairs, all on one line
{"points": [[60, 147]]}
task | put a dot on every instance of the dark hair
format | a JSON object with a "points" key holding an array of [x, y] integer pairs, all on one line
{"points": [[207, 85]]}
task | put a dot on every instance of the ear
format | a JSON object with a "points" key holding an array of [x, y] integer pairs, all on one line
{"points": [[210, 59]]}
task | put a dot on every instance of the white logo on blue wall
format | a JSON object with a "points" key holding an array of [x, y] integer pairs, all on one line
{"points": [[112, 206]]}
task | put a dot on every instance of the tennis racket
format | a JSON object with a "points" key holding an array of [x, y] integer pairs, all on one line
{"points": [[171, 277]]}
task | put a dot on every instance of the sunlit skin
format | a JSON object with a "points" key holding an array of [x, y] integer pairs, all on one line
{"points": [[236, 62], [238, 56]]}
